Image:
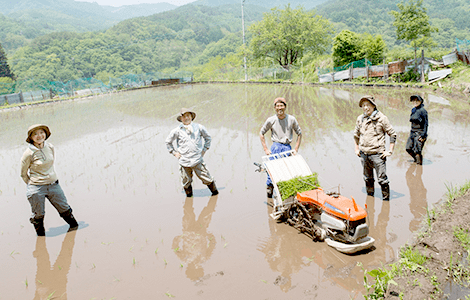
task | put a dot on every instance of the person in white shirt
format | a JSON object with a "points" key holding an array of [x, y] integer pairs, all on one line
{"points": [[192, 142]]}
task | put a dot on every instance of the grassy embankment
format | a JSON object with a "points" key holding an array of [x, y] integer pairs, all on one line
{"points": [[438, 255]]}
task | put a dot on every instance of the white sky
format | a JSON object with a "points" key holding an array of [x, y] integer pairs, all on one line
{"points": [[130, 2]]}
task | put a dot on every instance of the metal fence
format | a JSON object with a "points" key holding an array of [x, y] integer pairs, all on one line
{"points": [[33, 90]]}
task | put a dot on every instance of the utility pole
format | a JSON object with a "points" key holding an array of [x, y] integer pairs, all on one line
{"points": [[243, 27]]}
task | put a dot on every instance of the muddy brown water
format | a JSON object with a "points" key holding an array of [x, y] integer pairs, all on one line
{"points": [[140, 238]]}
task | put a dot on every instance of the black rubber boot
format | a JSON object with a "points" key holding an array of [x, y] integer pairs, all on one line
{"points": [[39, 226], [269, 190], [419, 159], [385, 192], [370, 188], [70, 219], [189, 191], [213, 188], [412, 154]]}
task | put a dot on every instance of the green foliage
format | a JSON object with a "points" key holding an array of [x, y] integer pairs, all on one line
{"points": [[412, 23], [285, 36], [361, 16], [298, 185], [222, 47], [349, 46], [454, 192], [463, 236], [22, 21], [409, 76], [140, 45], [7, 86], [346, 48], [373, 48], [4, 67], [383, 278], [412, 259]]}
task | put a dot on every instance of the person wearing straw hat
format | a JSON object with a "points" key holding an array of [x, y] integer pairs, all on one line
{"points": [[282, 128], [37, 171], [369, 139], [192, 142], [419, 129]]}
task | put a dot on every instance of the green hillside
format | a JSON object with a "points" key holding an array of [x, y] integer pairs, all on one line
{"points": [[307, 4], [21, 21], [450, 16], [189, 37], [169, 40]]}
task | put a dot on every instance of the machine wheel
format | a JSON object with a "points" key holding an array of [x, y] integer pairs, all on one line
{"points": [[320, 234], [298, 217]]}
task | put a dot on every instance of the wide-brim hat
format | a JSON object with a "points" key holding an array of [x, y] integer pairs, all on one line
{"points": [[183, 111], [367, 98], [416, 97], [280, 99], [32, 128]]}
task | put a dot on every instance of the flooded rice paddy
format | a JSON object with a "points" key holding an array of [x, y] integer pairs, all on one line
{"points": [[140, 238]]}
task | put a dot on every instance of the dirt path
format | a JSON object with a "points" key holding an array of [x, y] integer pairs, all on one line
{"points": [[444, 256]]}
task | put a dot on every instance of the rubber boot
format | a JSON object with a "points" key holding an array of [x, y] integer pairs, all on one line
{"points": [[370, 187], [412, 154], [213, 188], [385, 192], [419, 159], [70, 219], [189, 191], [39, 226], [269, 190]]}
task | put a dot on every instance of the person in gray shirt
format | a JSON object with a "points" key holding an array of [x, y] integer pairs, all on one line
{"points": [[192, 142], [282, 128]]}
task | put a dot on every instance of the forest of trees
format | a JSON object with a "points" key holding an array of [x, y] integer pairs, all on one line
{"points": [[449, 16], [22, 21], [200, 38], [170, 40]]}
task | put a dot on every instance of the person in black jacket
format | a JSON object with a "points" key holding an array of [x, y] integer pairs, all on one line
{"points": [[419, 129]]}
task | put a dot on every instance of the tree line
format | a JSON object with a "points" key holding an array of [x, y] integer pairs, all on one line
{"points": [[201, 39]]}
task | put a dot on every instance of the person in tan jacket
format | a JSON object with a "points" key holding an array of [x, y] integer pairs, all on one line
{"points": [[37, 171], [369, 138]]}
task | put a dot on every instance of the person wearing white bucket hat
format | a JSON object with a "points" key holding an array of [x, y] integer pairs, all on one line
{"points": [[37, 171], [192, 142]]}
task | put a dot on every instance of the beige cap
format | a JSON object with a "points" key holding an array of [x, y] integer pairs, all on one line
{"points": [[183, 111], [32, 128], [368, 98]]}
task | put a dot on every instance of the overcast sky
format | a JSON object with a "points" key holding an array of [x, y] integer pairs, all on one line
{"points": [[130, 2]]}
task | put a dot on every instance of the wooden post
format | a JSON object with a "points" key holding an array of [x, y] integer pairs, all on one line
{"points": [[422, 66], [351, 71], [367, 69], [385, 72], [21, 97]]}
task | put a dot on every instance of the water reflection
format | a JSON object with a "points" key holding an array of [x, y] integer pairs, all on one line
{"points": [[120, 133], [52, 282], [282, 251], [383, 251], [418, 200], [287, 251], [196, 244]]}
